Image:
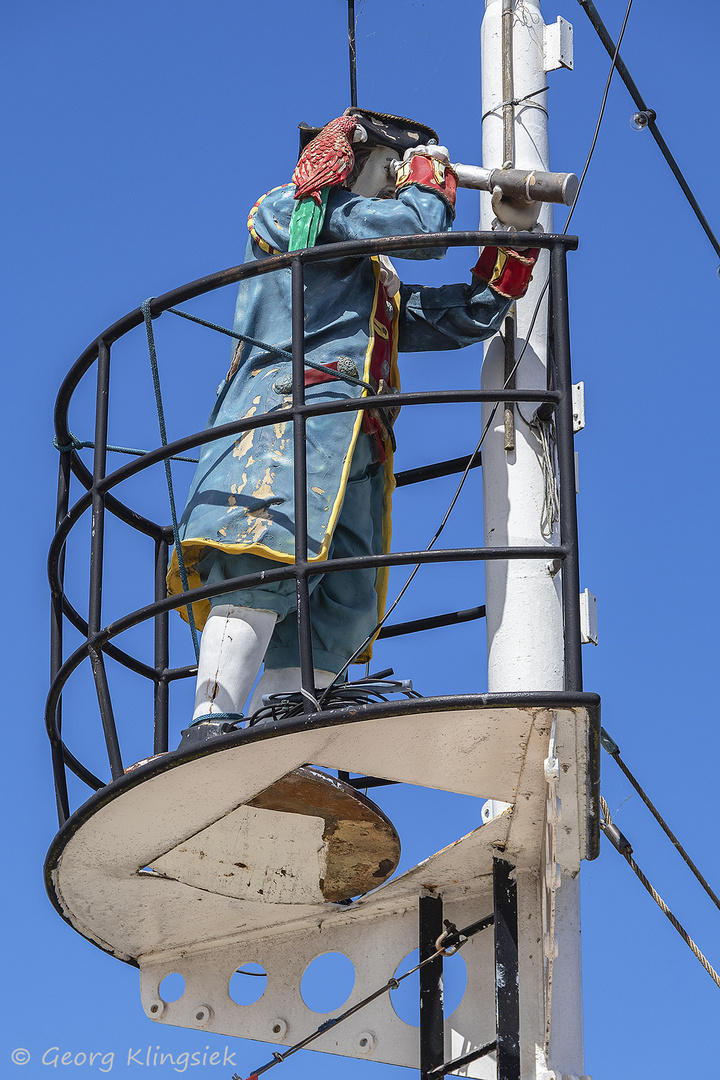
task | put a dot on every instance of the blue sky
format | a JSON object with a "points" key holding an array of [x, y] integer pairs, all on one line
{"points": [[137, 137]]}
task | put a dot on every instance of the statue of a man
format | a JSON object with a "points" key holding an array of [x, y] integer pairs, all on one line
{"points": [[239, 517]]}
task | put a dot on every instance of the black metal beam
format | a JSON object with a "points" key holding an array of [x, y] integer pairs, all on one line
{"points": [[432, 622], [353, 53], [441, 468], [97, 550], [300, 487], [432, 1034], [161, 652], [56, 642], [466, 1059], [594, 17], [507, 991], [566, 469]]}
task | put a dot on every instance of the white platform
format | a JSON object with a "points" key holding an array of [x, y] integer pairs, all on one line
{"points": [[177, 874]]}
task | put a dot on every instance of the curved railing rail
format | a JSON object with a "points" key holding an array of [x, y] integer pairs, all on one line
{"points": [[100, 486]]}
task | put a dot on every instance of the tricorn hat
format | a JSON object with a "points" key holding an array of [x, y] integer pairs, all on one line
{"points": [[382, 129]]}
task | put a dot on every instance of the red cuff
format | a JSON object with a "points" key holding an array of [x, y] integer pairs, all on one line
{"points": [[507, 271], [429, 174]]}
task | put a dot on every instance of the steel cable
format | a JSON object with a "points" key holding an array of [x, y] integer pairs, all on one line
{"points": [[449, 943], [625, 849], [598, 24], [612, 748], [613, 66]]}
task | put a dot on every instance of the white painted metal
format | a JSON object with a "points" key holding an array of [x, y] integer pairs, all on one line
{"points": [[588, 618], [493, 808], [124, 880], [524, 619], [524, 625], [377, 935], [558, 45], [250, 853], [578, 400]]}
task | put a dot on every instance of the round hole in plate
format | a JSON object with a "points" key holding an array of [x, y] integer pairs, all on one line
{"points": [[406, 999], [172, 987], [247, 984], [366, 1042], [327, 982]]}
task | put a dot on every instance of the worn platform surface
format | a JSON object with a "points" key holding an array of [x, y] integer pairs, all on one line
{"points": [[307, 838], [114, 871], [191, 864]]}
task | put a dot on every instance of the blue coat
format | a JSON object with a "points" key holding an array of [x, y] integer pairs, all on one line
{"points": [[241, 499]]}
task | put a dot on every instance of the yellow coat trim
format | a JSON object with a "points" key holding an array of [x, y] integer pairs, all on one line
{"points": [[383, 573], [262, 244]]}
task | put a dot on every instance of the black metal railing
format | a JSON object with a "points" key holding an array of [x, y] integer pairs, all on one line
{"points": [[99, 498]]}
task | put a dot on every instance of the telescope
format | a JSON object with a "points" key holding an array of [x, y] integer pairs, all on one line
{"points": [[530, 185], [533, 185]]}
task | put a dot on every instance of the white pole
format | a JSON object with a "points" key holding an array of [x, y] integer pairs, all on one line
{"points": [[524, 615]]}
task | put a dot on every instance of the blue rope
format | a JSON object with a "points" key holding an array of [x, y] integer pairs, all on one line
{"points": [[272, 349], [218, 716], [168, 472], [78, 444]]}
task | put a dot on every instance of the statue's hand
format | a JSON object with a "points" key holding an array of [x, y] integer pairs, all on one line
{"points": [[429, 167], [439, 152], [514, 213]]}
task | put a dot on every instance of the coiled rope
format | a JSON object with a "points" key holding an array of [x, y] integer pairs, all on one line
{"points": [[550, 513]]}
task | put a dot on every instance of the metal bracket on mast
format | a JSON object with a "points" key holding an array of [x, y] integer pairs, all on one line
{"points": [[558, 45]]}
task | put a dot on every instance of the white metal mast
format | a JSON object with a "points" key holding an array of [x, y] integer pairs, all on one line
{"points": [[523, 598]]}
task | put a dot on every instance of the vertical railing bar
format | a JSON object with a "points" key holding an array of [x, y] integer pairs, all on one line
{"points": [[507, 992], [432, 1023], [96, 559], [161, 652], [510, 381], [300, 488], [566, 468], [98, 502], [56, 639], [102, 689], [353, 53]]}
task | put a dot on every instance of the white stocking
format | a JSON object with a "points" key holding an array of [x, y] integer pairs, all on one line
{"points": [[285, 680], [232, 649]]}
